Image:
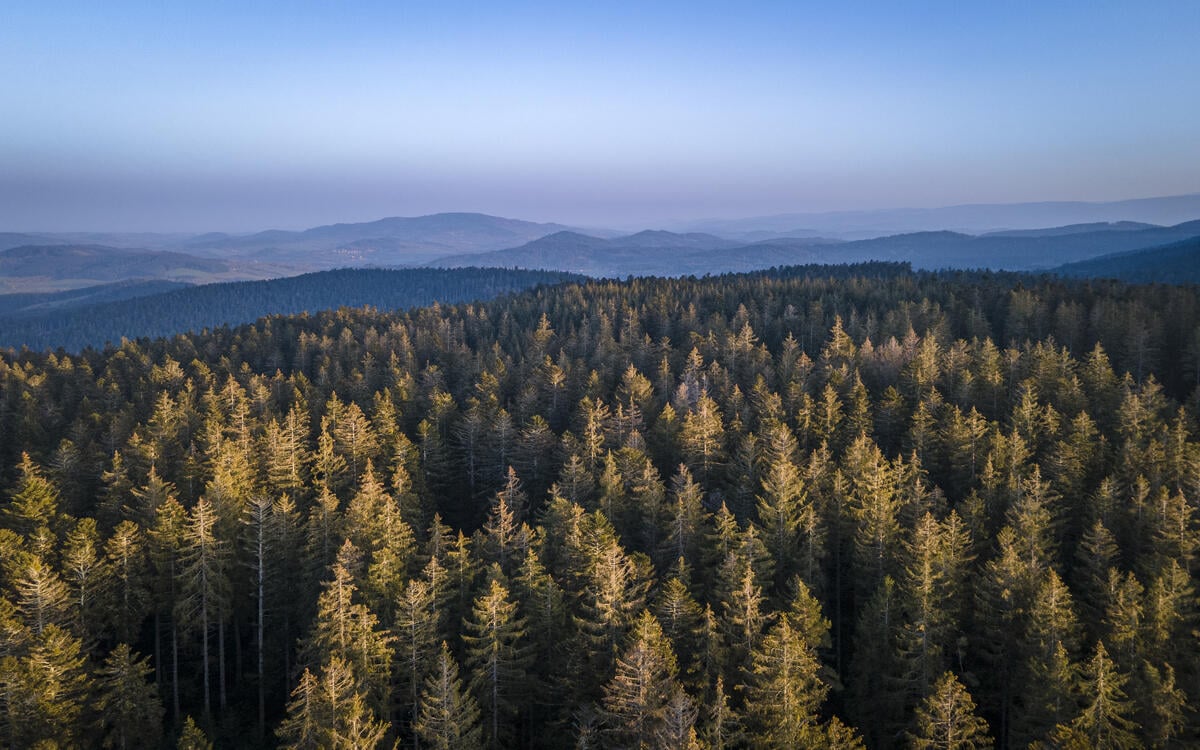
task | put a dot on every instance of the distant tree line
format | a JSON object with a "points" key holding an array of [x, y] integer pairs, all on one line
{"points": [[195, 309]]}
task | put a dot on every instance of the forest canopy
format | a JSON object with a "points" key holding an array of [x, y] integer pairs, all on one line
{"points": [[808, 507]]}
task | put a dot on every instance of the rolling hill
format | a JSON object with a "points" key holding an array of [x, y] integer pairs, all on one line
{"points": [[972, 218], [390, 242], [53, 268], [99, 262], [1095, 226], [211, 305], [669, 254], [32, 305], [386, 242], [1012, 253], [650, 253], [1177, 263]]}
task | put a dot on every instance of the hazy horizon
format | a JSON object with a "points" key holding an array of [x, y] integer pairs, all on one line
{"points": [[228, 117]]}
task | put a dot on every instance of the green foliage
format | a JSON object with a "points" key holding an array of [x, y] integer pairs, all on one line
{"points": [[947, 719], [448, 718], [329, 711], [679, 512], [129, 705]]}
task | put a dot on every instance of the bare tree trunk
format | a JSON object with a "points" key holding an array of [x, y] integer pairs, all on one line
{"points": [[174, 670], [221, 663], [204, 657], [262, 699]]}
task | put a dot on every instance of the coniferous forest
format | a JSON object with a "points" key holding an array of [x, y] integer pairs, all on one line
{"points": [[814, 507]]}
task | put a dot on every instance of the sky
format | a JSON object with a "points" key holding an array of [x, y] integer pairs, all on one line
{"points": [[237, 116]]}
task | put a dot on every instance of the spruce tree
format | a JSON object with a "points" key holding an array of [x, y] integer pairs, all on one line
{"points": [[448, 718], [328, 711], [130, 708], [946, 720], [497, 658], [1105, 721], [785, 690], [637, 700]]}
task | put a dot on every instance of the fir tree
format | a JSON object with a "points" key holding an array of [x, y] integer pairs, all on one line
{"points": [[637, 701], [448, 718], [494, 635], [328, 710], [947, 719], [130, 708]]}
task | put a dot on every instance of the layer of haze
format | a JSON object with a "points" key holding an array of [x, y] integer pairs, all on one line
{"points": [[246, 115]]}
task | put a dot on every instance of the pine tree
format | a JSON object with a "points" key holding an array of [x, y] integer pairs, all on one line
{"points": [[679, 727], [935, 558], [1096, 555], [722, 725], [743, 612], [947, 719], [1106, 719], [346, 628], [496, 655], [637, 700], [354, 437], [35, 502], [614, 592], [505, 534], [875, 507], [46, 692], [204, 584], [262, 533], [1124, 619], [128, 596], [192, 737], [166, 553], [702, 441], [785, 690], [784, 509], [876, 704], [86, 576], [1166, 707], [1003, 596], [42, 597], [416, 632], [389, 542], [685, 513], [1053, 638], [130, 708], [680, 617], [448, 718], [286, 452], [1170, 612], [328, 711], [323, 532]]}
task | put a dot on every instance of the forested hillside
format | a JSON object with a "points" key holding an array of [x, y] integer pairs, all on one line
{"points": [[1177, 263], [234, 303], [813, 507]]}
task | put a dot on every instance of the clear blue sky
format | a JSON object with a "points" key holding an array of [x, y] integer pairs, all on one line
{"points": [[251, 114]]}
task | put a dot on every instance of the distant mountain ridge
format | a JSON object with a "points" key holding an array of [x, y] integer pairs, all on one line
{"points": [[389, 241], [972, 218], [1014, 253], [669, 254], [52, 268], [648, 253], [469, 239], [97, 262], [1096, 226]]}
